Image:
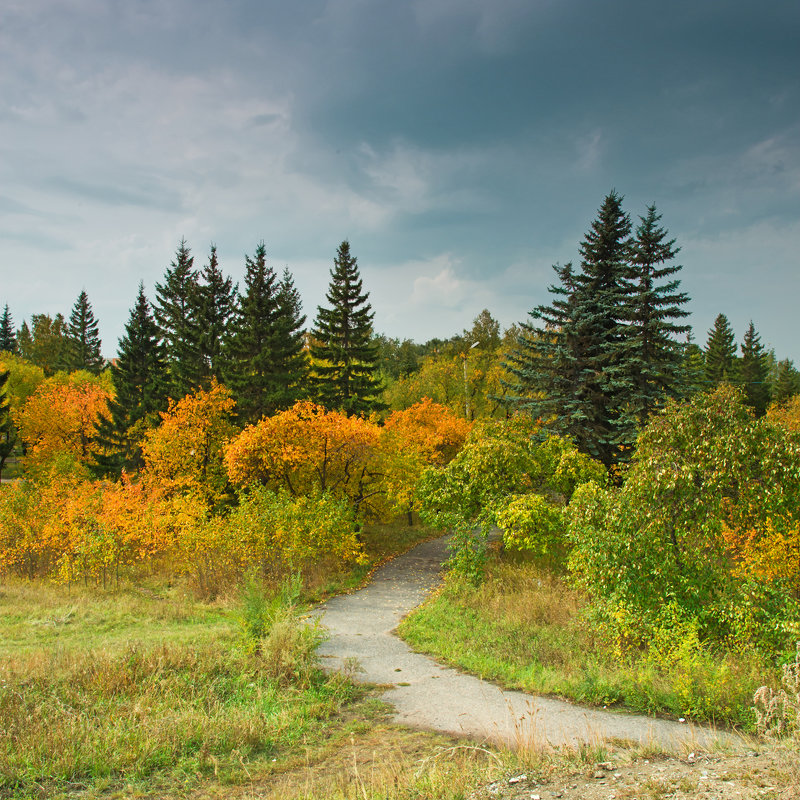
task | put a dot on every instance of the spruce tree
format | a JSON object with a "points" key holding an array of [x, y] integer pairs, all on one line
{"points": [[176, 312], [753, 371], [650, 350], [8, 437], [8, 339], [216, 308], [254, 373], [693, 369], [140, 381], [785, 383], [290, 345], [569, 365], [345, 356], [83, 345], [720, 352]]}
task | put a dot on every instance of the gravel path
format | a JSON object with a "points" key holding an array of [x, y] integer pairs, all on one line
{"points": [[427, 695]]}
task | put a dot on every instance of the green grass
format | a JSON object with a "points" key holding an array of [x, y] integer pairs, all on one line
{"points": [[40, 615], [145, 690], [525, 628]]}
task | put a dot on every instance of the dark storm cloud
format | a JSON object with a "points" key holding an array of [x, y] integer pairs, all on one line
{"points": [[462, 145]]}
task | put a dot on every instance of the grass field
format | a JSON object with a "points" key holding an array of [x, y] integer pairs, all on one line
{"points": [[147, 692]]}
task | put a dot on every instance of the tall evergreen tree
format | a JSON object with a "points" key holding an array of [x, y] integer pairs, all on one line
{"points": [[345, 356], [785, 382], [8, 339], [8, 437], [216, 308], [83, 345], [140, 382], [254, 371], [45, 343], [290, 345], [176, 312], [692, 377], [720, 352], [753, 371], [652, 354], [569, 364]]}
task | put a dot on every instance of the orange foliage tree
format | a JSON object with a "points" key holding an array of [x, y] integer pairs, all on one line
{"points": [[62, 525], [61, 416], [786, 415], [307, 450], [424, 435], [184, 454]]}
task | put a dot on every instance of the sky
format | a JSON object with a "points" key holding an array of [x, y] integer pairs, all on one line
{"points": [[463, 147]]}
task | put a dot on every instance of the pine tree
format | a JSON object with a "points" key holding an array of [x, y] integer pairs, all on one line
{"points": [[720, 352], [290, 346], [345, 357], [753, 371], [83, 345], [8, 339], [651, 353], [253, 372], [8, 437], [693, 369], [140, 382], [785, 383], [569, 364], [216, 308], [176, 312]]}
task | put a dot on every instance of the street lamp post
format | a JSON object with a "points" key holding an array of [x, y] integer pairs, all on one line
{"points": [[466, 386]]}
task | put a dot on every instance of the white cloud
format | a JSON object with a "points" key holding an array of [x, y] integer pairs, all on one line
{"points": [[441, 289]]}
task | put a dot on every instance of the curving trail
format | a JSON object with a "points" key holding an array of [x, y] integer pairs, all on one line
{"points": [[427, 695]]}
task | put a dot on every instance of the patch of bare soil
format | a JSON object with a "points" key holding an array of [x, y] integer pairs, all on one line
{"points": [[771, 774]]}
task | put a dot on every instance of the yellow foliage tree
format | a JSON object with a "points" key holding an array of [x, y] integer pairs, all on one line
{"points": [[184, 454], [426, 434], [61, 416], [307, 450]]}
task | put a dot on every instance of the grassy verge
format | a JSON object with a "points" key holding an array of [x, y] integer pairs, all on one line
{"points": [[144, 690], [524, 628]]}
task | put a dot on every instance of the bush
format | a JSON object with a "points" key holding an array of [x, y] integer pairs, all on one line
{"points": [[706, 491]]}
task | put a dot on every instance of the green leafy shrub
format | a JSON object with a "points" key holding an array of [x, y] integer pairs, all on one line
{"points": [[493, 480], [706, 484]]}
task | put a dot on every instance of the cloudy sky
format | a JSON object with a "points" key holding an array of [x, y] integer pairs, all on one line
{"points": [[462, 146]]}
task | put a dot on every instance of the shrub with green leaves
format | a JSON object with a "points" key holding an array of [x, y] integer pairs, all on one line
{"points": [[493, 482], [705, 474]]}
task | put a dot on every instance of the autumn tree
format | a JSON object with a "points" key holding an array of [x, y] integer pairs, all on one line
{"points": [[183, 455], [307, 449], [176, 312], [344, 354], [61, 416], [83, 338], [139, 374], [426, 434], [709, 488], [8, 339]]}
